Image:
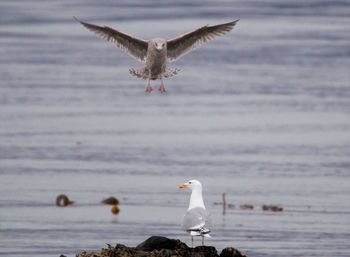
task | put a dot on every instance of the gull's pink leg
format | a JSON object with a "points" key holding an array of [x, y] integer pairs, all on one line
{"points": [[161, 87], [149, 89]]}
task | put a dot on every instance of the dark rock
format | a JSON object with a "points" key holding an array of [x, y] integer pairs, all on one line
{"points": [[160, 242], [63, 200], [274, 208], [111, 200], [247, 206], [115, 209], [157, 246], [205, 251], [231, 252]]}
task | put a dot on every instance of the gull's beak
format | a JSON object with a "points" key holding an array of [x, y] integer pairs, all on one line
{"points": [[182, 186]]}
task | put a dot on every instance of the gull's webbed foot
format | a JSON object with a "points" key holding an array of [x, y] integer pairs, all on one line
{"points": [[162, 88], [149, 89]]}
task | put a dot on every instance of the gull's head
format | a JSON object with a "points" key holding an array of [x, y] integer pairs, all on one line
{"points": [[159, 44], [192, 184]]}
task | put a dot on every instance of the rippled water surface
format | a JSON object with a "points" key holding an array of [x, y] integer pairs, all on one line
{"points": [[262, 114]]}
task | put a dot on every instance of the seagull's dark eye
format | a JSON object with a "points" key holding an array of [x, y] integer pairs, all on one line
{"points": [[190, 182]]}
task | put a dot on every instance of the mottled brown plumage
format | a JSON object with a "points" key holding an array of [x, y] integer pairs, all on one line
{"points": [[156, 53]]}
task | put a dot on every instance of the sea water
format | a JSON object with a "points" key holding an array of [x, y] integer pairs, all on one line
{"points": [[262, 114]]}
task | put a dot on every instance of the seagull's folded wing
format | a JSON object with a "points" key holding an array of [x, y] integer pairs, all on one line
{"points": [[135, 47], [183, 44], [194, 219]]}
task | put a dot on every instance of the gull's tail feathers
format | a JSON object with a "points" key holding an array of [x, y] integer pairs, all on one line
{"points": [[199, 231], [143, 74]]}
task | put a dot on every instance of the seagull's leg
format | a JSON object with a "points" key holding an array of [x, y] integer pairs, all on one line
{"points": [[192, 240], [149, 89], [161, 87], [202, 240]]}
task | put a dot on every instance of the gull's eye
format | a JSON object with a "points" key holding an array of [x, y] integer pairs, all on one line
{"points": [[190, 182]]}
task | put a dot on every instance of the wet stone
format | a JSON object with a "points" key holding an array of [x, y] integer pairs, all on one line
{"points": [[157, 246]]}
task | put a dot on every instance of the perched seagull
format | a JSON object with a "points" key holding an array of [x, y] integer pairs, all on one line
{"points": [[196, 217], [157, 52]]}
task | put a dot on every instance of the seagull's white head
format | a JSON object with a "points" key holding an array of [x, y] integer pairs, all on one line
{"points": [[192, 184], [159, 43]]}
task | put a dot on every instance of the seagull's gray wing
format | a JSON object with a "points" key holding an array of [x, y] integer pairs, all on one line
{"points": [[135, 47], [194, 219], [183, 44]]}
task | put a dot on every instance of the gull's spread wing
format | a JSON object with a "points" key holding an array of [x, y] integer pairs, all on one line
{"points": [[183, 44], [135, 47]]}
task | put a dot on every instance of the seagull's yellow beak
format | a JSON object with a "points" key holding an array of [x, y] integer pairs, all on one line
{"points": [[182, 186]]}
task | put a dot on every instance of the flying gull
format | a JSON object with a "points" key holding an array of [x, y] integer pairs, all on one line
{"points": [[196, 218], [156, 53]]}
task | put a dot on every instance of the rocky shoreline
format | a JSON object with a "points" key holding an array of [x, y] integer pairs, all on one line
{"points": [[157, 246]]}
